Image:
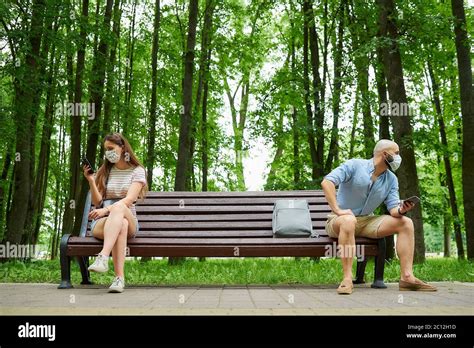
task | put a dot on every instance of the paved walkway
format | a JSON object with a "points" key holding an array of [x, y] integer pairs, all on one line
{"points": [[452, 298]]}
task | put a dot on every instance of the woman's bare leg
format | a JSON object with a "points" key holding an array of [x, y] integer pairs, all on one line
{"points": [[113, 226]]}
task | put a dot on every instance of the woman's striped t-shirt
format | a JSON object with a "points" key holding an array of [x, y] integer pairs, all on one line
{"points": [[120, 180]]}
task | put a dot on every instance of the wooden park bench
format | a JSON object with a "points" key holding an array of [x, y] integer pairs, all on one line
{"points": [[217, 224]]}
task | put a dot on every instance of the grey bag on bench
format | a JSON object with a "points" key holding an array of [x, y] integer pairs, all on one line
{"points": [[291, 218]]}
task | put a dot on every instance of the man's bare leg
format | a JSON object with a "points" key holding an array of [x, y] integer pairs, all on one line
{"points": [[344, 227], [405, 243]]}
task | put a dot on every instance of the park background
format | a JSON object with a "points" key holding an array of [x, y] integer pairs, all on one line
{"points": [[236, 95]]}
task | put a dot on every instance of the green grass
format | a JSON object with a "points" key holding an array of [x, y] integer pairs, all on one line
{"points": [[234, 271]]}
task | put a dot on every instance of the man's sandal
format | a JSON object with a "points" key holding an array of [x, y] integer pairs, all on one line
{"points": [[418, 285], [345, 288]]}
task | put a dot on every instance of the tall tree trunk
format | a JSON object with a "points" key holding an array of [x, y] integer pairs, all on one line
{"points": [[384, 124], [384, 130], [467, 111], [76, 128], [205, 42], [151, 155], [294, 117], [447, 162], [318, 90], [204, 132], [110, 84], [96, 88], [279, 142], [186, 116], [129, 71], [45, 148], [446, 215], [358, 29], [355, 120], [26, 93], [306, 90], [186, 119], [446, 232], [4, 183], [403, 132], [336, 97]]}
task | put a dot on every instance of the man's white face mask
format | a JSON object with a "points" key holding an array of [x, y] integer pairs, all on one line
{"points": [[393, 161]]}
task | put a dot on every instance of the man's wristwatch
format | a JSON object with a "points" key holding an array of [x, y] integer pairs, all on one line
{"points": [[399, 212]]}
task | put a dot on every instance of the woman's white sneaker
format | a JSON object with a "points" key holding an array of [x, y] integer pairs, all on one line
{"points": [[117, 285], [100, 265]]}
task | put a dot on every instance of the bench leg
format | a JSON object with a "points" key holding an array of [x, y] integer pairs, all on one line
{"points": [[83, 265], [65, 264], [360, 271], [379, 266]]}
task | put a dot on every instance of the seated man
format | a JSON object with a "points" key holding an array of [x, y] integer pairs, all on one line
{"points": [[363, 186]]}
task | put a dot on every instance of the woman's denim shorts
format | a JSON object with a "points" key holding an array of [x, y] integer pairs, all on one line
{"points": [[106, 203]]}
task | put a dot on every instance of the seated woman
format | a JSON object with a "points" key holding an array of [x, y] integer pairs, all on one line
{"points": [[115, 188]]}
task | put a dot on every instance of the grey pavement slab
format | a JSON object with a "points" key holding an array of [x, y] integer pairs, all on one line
{"points": [[453, 298]]}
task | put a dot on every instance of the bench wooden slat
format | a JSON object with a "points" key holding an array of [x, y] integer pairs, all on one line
{"points": [[204, 225], [218, 209], [211, 234], [232, 194], [219, 217], [218, 250], [221, 201], [225, 241]]}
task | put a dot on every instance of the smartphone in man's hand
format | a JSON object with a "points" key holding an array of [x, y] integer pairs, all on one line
{"points": [[85, 162], [412, 199]]}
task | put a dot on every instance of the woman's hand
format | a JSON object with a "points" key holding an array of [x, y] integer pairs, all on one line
{"points": [[89, 177], [98, 213]]}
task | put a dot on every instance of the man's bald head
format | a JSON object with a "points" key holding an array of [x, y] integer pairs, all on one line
{"points": [[385, 145]]}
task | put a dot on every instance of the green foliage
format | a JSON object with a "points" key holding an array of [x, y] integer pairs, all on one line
{"points": [[237, 271], [250, 40]]}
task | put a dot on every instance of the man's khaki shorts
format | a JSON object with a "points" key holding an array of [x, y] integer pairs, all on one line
{"points": [[366, 226]]}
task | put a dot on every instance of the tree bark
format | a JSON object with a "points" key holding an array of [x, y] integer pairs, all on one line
{"points": [[109, 89], [384, 124], [25, 94], [403, 132], [207, 37], [306, 90], [129, 71], [76, 128], [203, 64], [358, 29], [151, 155], [186, 116], [96, 88], [318, 89], [294, 117], [336, 97], [447, 162], [42, 172], [467, 111]]}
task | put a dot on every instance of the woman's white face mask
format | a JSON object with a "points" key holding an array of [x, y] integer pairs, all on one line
{"points": [[112, 156]]}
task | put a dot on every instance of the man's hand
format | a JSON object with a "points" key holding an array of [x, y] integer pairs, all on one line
{"points": [[340, 212], [98, 213], [406, 206]]}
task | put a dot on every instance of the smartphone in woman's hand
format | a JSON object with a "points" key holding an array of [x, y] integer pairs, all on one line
{"points": [[85, 162]]}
